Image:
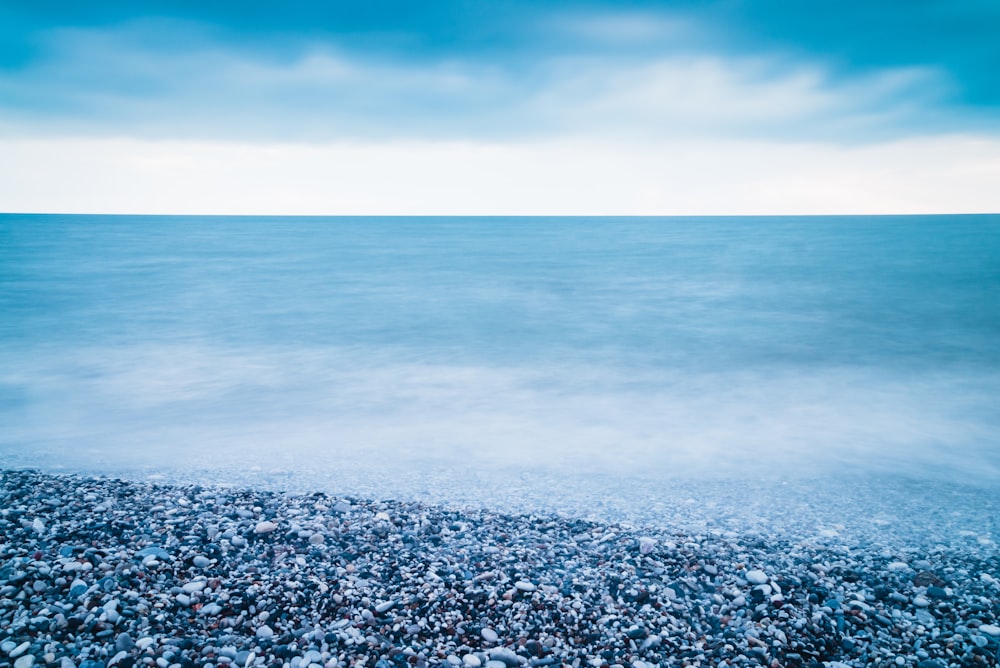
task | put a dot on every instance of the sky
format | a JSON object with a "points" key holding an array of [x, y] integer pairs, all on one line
{"points": [[461, 107]]}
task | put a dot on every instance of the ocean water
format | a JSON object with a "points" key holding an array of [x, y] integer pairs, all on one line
{"points": [[532, 362]]}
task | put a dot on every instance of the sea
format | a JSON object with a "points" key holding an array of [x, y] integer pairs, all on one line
{"points": [[833, 374]]}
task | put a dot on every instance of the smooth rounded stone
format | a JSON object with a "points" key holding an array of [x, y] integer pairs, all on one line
{"points": [[471, 661], [7, 645], [898, 566], [153, 551], [264, 527], [756, 577], [646, 544], [312, 656], [936, 592], [238, 541], [18, 650], [25, 661], [265, 632], [66, 662], [124, 642], [489, 635], [201, 561], [920, 601], [932, 663], [523, 585], [384, 607], [78, 588], [316, 539], [144, 642], [505, 655], [990, 630], [495, 663], [193, 587]]}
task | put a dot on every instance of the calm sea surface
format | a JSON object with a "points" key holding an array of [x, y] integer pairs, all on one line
{"points": [[438, 356]]}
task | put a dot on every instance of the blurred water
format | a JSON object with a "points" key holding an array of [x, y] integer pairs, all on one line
{"points": [[378, 351]]}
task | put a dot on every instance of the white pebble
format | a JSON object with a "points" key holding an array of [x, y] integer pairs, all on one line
{"points": [[192, 587], [990, 629], [756, 577], [265, 632], [264, 527], [471, 661], [20, 649], [525, 586], [489, 635], [25, 661]]}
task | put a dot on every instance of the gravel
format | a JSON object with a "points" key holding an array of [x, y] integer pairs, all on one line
{"points": [[97, 572]]}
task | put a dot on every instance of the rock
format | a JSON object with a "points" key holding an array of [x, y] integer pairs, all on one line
{"points": [[920, 601], [384, 607], [194, 586], [471, 661], [489, 635], [264, 527], [201, 561], [25, 661], [936, 592], [926, 578], [157, 552], [646, 545], [522, 585], [265, 632], [123, 642], [78, 588], [990, 630], [316, 539], [505, 655], [19, 650], [756, 577], [66, 662]]}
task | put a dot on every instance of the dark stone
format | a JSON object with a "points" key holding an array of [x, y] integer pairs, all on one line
{"points": [[936, 592], [926, 578]]}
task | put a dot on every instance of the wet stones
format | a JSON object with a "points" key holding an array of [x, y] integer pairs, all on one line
{"points": [[135, 578]]}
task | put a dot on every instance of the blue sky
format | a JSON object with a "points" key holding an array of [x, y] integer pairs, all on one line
{"points": [[500, 107]]}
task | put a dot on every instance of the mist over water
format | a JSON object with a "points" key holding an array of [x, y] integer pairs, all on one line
{"points": [[428, 357]]}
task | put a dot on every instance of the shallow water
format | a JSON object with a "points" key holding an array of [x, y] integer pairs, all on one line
{"points": [[451, 358]]}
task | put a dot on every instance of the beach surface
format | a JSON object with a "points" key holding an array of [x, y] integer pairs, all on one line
{"points": [[98, 572]]}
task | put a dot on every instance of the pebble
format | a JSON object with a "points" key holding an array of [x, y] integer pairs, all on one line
{"points": [[404, 585], [264, 527], [25, 661], [18, 650]]}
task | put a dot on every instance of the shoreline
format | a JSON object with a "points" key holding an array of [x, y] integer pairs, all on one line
{"points": [[98, 572]]}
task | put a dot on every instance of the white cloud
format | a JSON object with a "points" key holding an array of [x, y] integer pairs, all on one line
{"points": [[132, 80], [574, 177]]}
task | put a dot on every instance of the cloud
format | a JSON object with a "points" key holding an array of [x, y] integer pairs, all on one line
{"points": [[175, 80]]}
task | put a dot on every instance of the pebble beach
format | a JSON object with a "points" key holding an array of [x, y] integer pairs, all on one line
{"points": [[98, 572]]}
